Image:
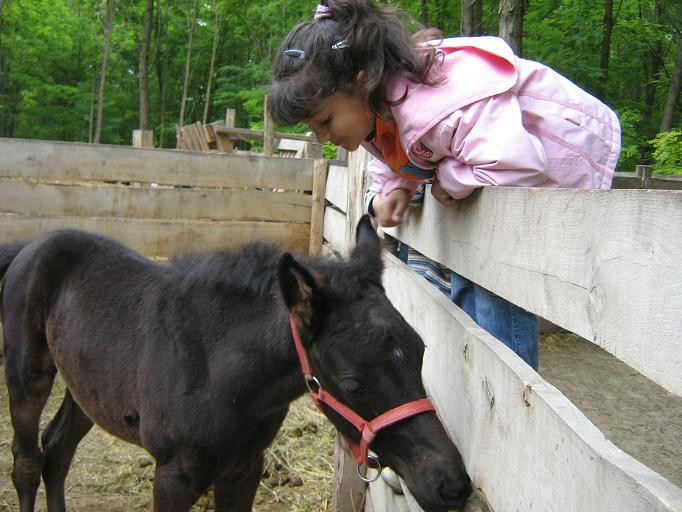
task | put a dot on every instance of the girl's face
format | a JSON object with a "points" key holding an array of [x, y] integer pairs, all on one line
{"points": [[344, 120]]}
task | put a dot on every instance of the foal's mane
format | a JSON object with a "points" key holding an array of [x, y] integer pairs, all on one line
{"points": [[252, 269]]}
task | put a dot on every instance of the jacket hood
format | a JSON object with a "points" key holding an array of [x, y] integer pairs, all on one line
{"points": [[470, 69]]}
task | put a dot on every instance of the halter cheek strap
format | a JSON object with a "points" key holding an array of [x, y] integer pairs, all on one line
{"points": [[367, 429]]}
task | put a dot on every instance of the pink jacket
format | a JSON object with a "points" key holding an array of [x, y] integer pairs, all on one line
{"points": [[500, 120]]}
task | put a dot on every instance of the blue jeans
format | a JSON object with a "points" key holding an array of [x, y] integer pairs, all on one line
{"points": [[512, 325]]}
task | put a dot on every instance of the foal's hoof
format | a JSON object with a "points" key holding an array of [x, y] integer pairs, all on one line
{"points": [[392, 480]]}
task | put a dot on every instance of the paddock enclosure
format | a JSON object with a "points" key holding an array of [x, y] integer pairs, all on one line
{"points": [[605, 266]]}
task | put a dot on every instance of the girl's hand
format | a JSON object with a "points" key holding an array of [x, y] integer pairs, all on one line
{"points": [[389, 209], [439, 193]]}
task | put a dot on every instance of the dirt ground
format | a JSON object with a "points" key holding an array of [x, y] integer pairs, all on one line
{"points": [[109, 474], [638, 416]]}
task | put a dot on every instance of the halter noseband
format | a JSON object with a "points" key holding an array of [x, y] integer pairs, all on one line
{"points": [[368, 429]]}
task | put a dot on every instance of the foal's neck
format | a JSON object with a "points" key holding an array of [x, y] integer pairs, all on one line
{"points": [[281, 377]]}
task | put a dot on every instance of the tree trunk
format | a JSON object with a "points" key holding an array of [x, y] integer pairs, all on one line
{"points": [[607, 27], [2, 51], [4, 66], [91, 118], [511, 23], [161, 63], [103, 71], [211, 71], [188, 60], [653, 66], [673, 91], [144, 66], [472, 16]]}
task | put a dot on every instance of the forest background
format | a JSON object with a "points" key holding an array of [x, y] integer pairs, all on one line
{"points": [[93, 71]]}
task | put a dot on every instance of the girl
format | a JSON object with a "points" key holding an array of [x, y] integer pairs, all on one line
{"points": [[462, 112]]}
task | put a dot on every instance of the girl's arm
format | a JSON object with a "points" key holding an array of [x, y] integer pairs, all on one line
{"points": [[486, 143], [384, 180], [389, 195]]}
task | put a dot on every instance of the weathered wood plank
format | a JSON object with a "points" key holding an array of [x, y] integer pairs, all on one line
{"points": [[663, 183], [357, 164], [524, 444], [66, 161], [162, 238], [604, 264], [317, 207], [645, 180], [335, 230], [337, 187], [45, 199], [626, 180], [248, 134], [348, 494]]}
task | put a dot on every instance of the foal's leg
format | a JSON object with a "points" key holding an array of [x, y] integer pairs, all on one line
{"points": [[235, 492], [60, 440], [30, 372], [178, 484]]}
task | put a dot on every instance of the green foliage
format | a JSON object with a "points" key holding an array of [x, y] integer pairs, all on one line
{"points": [[51, 53], [632, 146], [329, 150], [243, 88], [668, 152]]}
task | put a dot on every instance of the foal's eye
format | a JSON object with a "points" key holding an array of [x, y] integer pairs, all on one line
{"points": [[350, 385]]}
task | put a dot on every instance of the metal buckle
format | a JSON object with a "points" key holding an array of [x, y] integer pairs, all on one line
{"points": [[376, 465]]}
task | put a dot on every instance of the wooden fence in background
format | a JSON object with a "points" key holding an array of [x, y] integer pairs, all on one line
{"points": [[159, 202]]}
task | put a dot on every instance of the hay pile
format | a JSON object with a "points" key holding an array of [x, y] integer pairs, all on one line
{"points": [[109, 474]]}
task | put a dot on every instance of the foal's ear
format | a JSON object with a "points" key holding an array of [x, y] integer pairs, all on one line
{"points": [[367, 251], [301, 294]]}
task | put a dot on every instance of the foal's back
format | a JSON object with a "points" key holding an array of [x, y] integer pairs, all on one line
{"points": [[76, 301]]}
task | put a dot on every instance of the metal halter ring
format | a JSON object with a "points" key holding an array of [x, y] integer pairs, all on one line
{"points": [[312, 382], [379, 469]]}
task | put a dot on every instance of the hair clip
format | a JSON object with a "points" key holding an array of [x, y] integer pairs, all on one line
{"points": [[292, 52], [340, 45], [322, 12]]}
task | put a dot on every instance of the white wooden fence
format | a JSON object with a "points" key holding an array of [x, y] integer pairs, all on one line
{"points": [[603, 264]]}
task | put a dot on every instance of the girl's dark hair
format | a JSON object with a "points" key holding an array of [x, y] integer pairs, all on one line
{"points": [[319, 58]]}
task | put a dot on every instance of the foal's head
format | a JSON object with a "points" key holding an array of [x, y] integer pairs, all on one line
{"points": [[364, 353]]}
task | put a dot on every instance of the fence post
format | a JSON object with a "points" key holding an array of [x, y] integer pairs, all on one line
{"points": [[644, 172], [348, 494], [223, 141], [268, 130], [341, 154], [143, 138], [312, 150], [356, 189], [317, 207]]}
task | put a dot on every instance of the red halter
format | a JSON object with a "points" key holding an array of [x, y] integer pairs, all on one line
{"points": [[368, 429]]}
